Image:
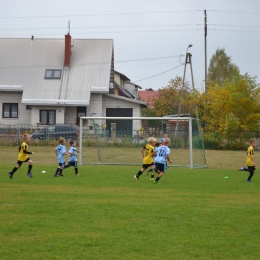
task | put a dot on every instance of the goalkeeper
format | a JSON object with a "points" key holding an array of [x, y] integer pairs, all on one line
{"points": [[147, 157]]}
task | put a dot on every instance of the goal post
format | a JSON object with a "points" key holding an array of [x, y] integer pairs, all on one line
{"points": [[118, 140]]}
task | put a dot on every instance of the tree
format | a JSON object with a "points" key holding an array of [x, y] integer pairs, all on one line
{"points": [[169, 98], [221, 68], [231, 109]]}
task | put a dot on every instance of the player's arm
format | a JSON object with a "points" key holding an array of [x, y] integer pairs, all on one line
{"points": [[25, 150], [252, 159], [142, 151], [168, 158]]}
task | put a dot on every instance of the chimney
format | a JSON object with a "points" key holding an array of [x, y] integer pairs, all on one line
{"points": [[32, 37], [67, 50]]}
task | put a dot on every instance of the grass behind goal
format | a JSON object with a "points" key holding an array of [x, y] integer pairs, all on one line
{"points": [[119, 141]]}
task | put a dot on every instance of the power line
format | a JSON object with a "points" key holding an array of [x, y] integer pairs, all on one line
{"points": [[222, 30], [157, 74], [103, 27], [144, 65], [85, 15], [129, 26], [111, 14], [234, 12], [75, 33]]}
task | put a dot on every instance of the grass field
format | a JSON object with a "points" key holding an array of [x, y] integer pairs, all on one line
{"points": [[105, 214]]}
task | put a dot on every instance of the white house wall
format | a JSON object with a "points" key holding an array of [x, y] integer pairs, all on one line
{"points": [[71, 115]]}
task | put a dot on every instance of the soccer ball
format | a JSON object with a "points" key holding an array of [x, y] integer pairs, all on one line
{"points": [[43, 171]]}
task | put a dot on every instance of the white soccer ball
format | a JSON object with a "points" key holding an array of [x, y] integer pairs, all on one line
{"points": [[43, 171]]}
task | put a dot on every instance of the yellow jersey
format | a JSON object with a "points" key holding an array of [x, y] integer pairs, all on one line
{"points": [[23, 152], [250, 151], [148, 158]]}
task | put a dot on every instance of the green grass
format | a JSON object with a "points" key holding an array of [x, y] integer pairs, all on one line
{"points": [[105, 214]]}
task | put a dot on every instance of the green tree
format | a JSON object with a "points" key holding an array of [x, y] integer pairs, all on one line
{"points": [[221, 68]]}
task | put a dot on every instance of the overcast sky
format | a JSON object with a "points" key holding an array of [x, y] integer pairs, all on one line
{"points": [[149, 35]]}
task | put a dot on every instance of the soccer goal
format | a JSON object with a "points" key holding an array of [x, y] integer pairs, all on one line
{"points": [[118, 140]]}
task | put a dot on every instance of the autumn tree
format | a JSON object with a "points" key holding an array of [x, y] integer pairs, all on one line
{"points": [[169, 98], [221, 68], [231, 108]]}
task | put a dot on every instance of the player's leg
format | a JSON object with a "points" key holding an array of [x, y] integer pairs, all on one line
{"points": [[251, 170], [30, 162], [68, 165], [76, 168], [57, 173], [152, 172], [61, 165], [145, 166], [11, 173], [160, 168]]}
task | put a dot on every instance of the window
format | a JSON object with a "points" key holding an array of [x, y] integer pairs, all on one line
{"points": [[47, 117], [52, 74], [10, 110]]}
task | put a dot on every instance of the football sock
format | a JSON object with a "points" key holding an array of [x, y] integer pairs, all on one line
{"points": [[152, 175], [76, 170], [14, 169], [29, 168], [139, 174], [157, 179], [57, 171], [250, 176]]}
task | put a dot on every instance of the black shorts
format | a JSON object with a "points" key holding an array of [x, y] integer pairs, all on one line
{"points": [[251, 168], [145, 166], [62, 164], [161, 167], [75, 164], [21, 162]]}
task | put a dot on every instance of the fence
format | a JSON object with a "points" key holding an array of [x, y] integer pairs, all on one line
{"points": [[235, 140]]}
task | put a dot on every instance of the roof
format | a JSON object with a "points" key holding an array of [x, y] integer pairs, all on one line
{"points": [[142, 103], [123, 92], [124, 77], [148, 97], [23, 62]]}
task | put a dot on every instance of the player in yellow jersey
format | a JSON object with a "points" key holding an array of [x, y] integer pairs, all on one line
{"points": [[148, 152], [250, 162], [23, 157]]}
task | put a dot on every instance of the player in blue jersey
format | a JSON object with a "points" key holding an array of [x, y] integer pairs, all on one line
{"points": [[73, 161], [162, 155], [60, 151]]}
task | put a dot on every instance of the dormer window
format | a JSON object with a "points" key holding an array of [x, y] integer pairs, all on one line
{"points": [[52, 74]]}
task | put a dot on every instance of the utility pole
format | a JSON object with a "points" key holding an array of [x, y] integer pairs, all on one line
{"points": [[205, 44], [187, 61]]}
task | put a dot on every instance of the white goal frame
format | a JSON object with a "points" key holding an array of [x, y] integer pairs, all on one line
{"points": [[189, 119]]}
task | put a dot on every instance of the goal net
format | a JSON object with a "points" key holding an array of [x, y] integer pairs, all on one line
{"points": [[118, 140]]}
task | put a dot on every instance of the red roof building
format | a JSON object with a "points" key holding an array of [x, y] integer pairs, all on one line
{"points": [[148, 96]]}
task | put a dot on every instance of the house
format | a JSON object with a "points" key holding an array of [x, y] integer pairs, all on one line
{"points": [[148, 96], [124, 87], [55, 81]]}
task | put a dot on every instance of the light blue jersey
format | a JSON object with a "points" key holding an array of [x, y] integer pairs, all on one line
{"points": [[73, 157], [161, 153], [61, 151]]}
